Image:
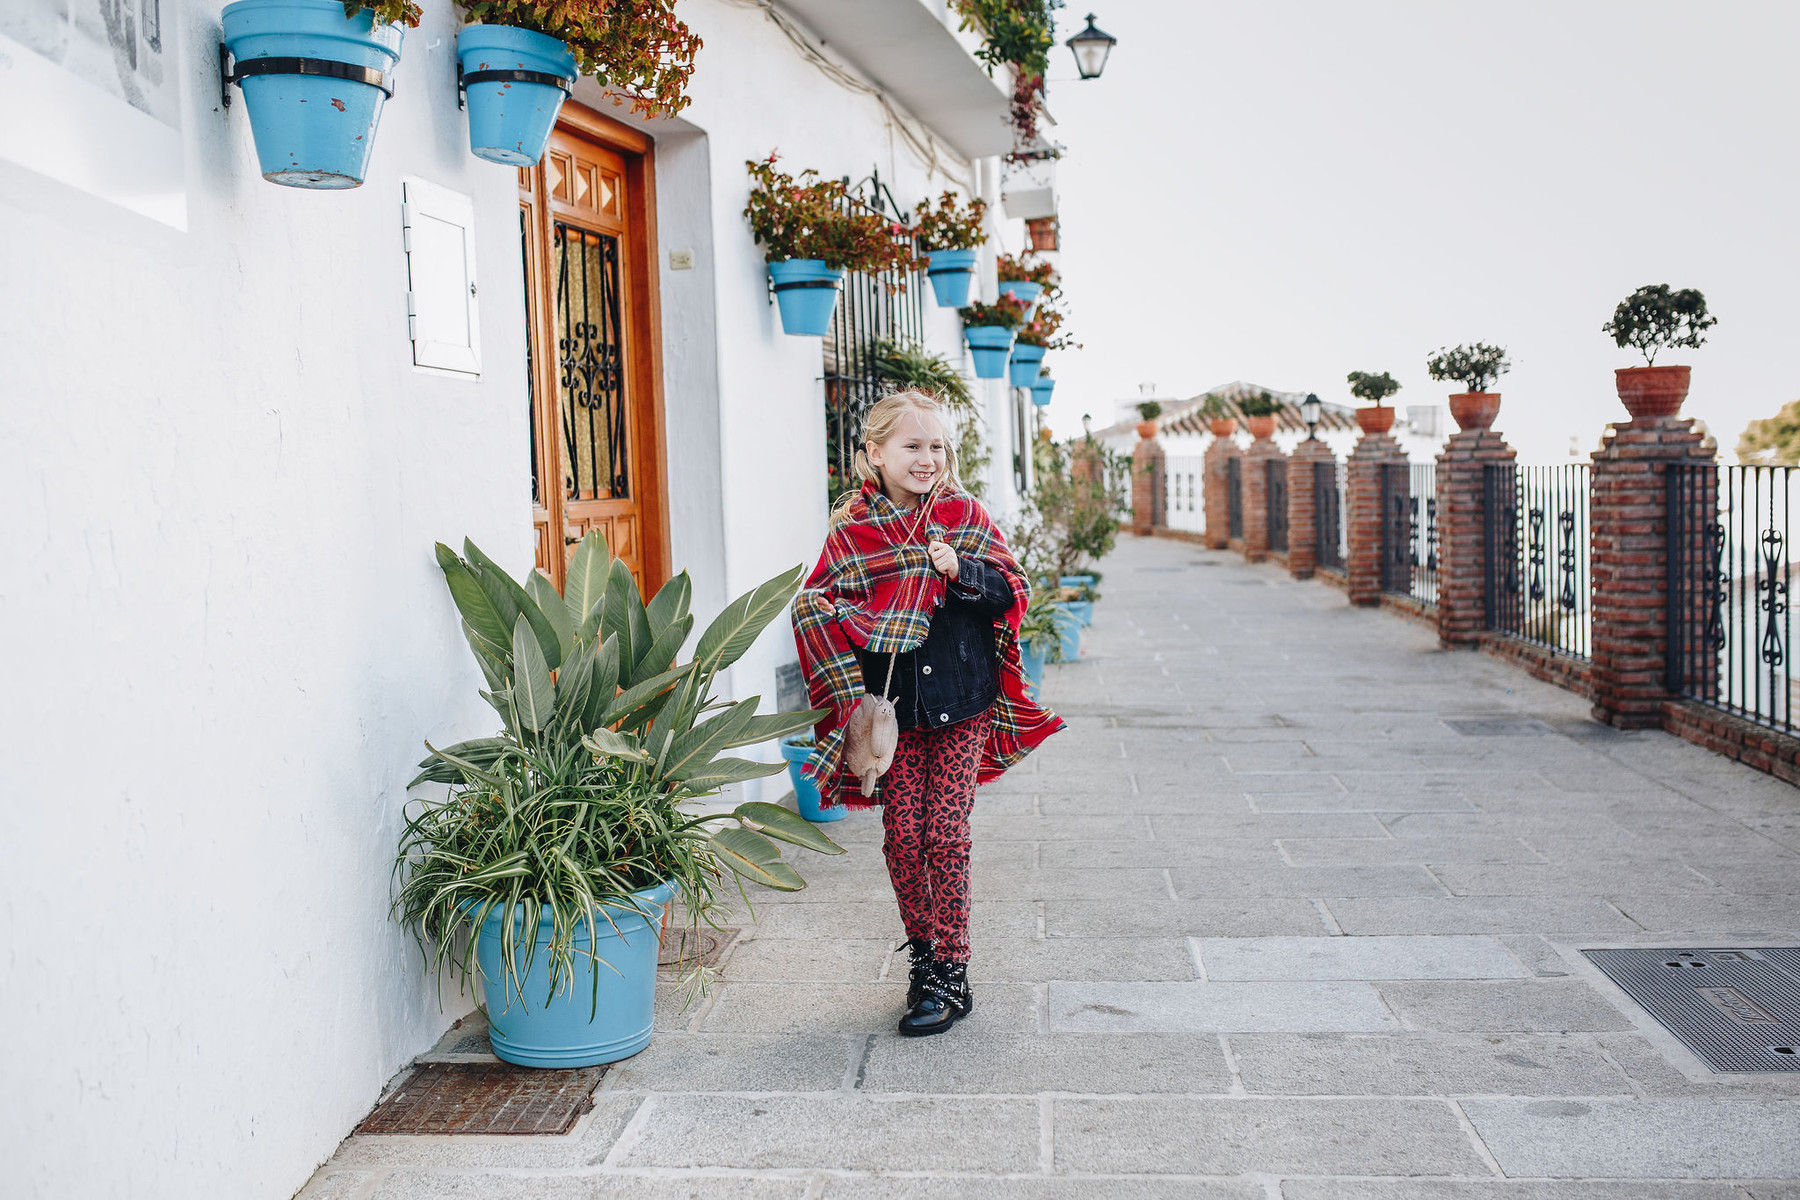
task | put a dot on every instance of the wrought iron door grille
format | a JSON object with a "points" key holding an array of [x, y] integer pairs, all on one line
{"points": [[590, 360], [1276, 489], [1328, 516], [1234, 496], [1729, 613], [871, 307], [1536, 552]]}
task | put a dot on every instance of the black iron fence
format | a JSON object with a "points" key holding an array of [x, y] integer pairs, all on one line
{"points": [[1275, 490], [1539, 585], [1234, 495], [1409, 557], [1730, 625], [1328, 516]]}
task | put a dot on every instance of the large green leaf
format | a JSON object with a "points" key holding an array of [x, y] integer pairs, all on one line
{"points": [[481, 752], [574, 684], [661, 654], [774, 821], [761, 729], [472, 600], [670, 603], [586, 581], [692, 751], [605, 686], [533, 693], [639, 695], [723, 771], [615, 614], [471, 772], [619, 745], [507, 592], [495, 661], [756, 858], [544, 593], [735, 630]]}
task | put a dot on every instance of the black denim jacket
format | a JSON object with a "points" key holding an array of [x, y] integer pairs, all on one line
{"points": [[955, 672]]}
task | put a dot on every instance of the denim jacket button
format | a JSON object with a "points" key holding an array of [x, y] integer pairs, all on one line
{"points": [[927, 670], [944, 717]]}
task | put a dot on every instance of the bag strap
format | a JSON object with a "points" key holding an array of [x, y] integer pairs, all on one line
{"points": [[924, 511]]}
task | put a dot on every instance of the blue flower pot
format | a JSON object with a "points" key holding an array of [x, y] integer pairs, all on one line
{"points": [[989, 345], [1083, 611], [311, 131], [537, 1030], [1041, 388], [951, 272], [806, 290], [1070, 626], [510, 119], [1028, 292], [1024, 364], [806, 792], [1077, 581], [1032, 663]]}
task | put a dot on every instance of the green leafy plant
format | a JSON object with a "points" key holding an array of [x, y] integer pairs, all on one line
{"points": [[639, 47], [1045, 329], [1017, 34], [1365, 385], [1654, 318], [809, 217], [1149, 410], [1077, 511], [1006, 312], [1214, 407], [1772, 441], [950, 224], [387, 12], [1260, 405], [1475, 366], [577, 802], [910, 365], [1022, 269], [1041, 628]]}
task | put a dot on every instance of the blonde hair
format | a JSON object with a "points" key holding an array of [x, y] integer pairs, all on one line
{"points": [[879, 424]]}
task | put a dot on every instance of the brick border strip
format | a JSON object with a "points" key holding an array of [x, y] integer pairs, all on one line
{"points": [[1573, 674], [1754, 745]]}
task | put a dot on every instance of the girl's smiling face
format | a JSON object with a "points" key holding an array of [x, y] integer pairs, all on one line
{"points": [[912, 459]]}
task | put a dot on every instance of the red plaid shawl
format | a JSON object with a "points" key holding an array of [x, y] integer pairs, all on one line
{"points": [[875, 588]]}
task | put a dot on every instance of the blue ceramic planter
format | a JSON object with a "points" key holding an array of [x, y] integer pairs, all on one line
{"points": [[1024, 364], [1032, 663], [1028, 292], [806, 793], [316, 130], [511, 113], [532, 1033], [951, 272], [1083, 611], [1041, 388], [806, 290], [1076, 581], [1069, 625], [989, 345]]}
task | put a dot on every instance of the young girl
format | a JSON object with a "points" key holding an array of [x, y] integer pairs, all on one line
{"points": [[917, 598]]}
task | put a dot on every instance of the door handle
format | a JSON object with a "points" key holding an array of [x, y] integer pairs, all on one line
{"points": [[570, 537]]}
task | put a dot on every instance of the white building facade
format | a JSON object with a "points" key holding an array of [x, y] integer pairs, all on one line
{"points": [[234, 418]]}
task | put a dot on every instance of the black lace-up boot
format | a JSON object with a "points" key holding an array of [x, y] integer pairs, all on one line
{"points": [[922, 965], [945, 1001]]}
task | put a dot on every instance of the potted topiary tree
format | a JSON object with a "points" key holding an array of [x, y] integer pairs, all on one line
{"points": [[1654, 318], [811, 234], [1475, 366], [1024, 278], [517, 60], [1217, 416], [315, 74], [548, 868], [949, 234], [1259, 414], [1148, 411], [989, 329], [1375, 389]]}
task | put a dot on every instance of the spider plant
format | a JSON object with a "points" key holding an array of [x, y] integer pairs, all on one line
{"points": [[578, 802]]}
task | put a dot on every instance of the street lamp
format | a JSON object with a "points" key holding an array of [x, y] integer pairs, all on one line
{"points": [[1091, 46], [1087, 426], [1310, 411]]}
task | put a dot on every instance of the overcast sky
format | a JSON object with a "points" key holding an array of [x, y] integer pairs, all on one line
{"points": [[1287, 190]]}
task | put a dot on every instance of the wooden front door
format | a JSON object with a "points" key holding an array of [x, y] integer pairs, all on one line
{"points": [[596, 412]]}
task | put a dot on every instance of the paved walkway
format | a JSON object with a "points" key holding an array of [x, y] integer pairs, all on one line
{"points": [[1259, 925]]}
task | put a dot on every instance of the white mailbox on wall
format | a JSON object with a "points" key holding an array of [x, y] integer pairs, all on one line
{"points": [[441, 296]]}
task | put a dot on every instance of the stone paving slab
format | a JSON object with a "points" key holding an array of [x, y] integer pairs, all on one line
{"points": [[1356, 958], [1676, 1139], [1113, 1063], [1313, 1064], [1215, 1007]]}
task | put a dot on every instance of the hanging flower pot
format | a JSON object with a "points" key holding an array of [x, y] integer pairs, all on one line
{"points": [[514, 81], [314, 81], [1041, 389], [806, 291], [1474, 410], [951, 272], [1375, 420], [1024, 291], [1651, 392], [1026, 359], [990, 346]]}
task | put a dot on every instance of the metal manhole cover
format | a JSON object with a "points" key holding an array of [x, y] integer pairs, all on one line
{"points": [[464, 1098], [681, 946], [1739, 1010], [1499, 727]]}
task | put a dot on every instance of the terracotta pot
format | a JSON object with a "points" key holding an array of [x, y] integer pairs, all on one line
{"points": [[1375, 420], [1222, 427], [1474, 410], [1146, 429], [1650, 392], [1260, 427]]}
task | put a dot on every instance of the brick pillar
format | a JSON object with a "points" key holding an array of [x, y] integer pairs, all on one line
{"points": [[1629, 527], [1363, 515], [1461, 532], [1146, 478], [1217, 486], [1256, 497], [1303, 549], [1084, 464]]}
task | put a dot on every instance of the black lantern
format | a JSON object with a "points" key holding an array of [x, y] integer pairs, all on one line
{"points": [[1310, 411], [1091, 46]]}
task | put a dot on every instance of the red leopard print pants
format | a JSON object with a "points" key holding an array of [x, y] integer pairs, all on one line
{"points": [[926, 797]]}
